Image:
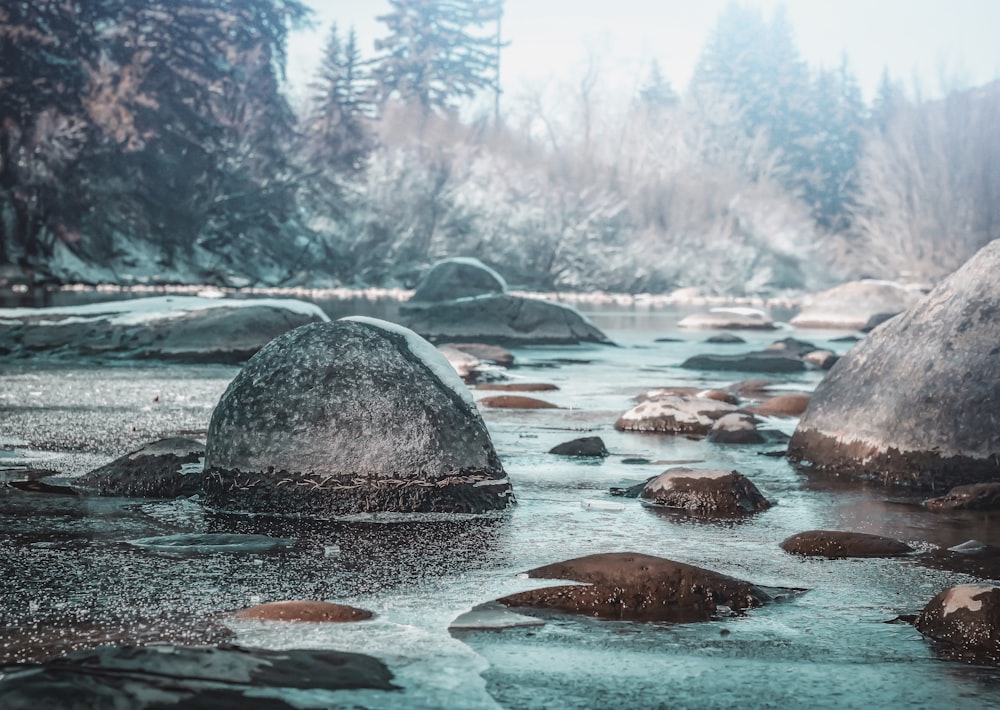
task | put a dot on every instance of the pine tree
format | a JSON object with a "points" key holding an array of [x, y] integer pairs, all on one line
{"points": [[656, 93], [339, 138], [438, 51]]}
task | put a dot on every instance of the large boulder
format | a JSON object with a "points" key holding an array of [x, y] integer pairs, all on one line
{"points": [[458, 277], [912, 404], [705, 492], [633, 586], [354, 416], [168, 468], [851, 305], [503, 319], [185, 328]]}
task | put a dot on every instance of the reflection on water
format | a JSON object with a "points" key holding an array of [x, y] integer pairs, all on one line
{"points": [[67, 566]]}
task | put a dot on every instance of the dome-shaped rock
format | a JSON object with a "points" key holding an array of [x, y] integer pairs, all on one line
{"points": [[912, 403], [353, 416], [458, 277], [707, 492]]}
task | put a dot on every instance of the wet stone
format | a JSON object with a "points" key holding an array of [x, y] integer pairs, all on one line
{"points": [[510, 401], [173, 676], [305, 610], [975, 496], [836, 544], [168, 468], [638, 587], [705, 492], [349, 417], [967, 618], [585, 446], [674, 414]]}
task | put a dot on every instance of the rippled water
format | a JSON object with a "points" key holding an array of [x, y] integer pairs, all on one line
{"points": [[68, 568]]}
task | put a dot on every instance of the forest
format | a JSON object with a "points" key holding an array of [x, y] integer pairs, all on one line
{"points": [[156, 142]]}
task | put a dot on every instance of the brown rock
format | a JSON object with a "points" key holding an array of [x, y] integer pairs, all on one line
{"points": [[633, 586], [834, 543], [674, 414], [509, 401], [736, 428], [518, 387], [304, 611], [705, 492], [966, 617], [976, 496], [488, 353], [783, 405], [717, 395]]}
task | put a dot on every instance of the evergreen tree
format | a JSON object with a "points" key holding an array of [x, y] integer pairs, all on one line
{"points": [[656, 93], [339, 138], [438, 51]]}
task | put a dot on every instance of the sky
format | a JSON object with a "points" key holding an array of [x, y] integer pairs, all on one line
{"points": [[938, 42]]}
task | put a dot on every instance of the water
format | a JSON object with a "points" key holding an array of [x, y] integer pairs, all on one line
{"points": [[69, 570]]}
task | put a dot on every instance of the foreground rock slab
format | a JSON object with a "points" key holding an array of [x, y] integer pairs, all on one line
{"points": [[705, 492], [180, 328], [909, 405], [348, 417], [967, 618], [633, 586], [836, 543], [168, 676]]}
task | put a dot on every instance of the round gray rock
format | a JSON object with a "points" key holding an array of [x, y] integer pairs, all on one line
{"points": [[354, 416], [459, 277], [913, 403]]}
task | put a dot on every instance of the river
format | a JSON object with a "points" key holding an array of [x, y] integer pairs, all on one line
{"points": [[70, 565]]}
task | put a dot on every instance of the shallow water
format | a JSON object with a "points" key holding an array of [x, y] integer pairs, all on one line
{"points": [[70, 564]]}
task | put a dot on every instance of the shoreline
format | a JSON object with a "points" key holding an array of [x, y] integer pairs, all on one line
{"points": [[679, 297]]}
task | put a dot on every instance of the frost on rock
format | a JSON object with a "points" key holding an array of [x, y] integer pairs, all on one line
{"points": [[675, 414]]}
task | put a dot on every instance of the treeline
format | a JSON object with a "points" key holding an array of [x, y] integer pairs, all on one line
{"points": [[153, 140]]}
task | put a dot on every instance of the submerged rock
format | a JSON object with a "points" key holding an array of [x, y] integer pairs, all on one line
{"points": [[458, 277], [184, 328], [729, 319], [517, 387], [637, 587], [305, 610], [976, 496], [168, 468], [586, 446], [169, 676], [851, 305], [835, 543], [674, 414], [736, 428], [705, 492], [504, 319], [512, 401], [760, 361], [782, 405], [347, 417], [967, 617], [909, 405]]}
